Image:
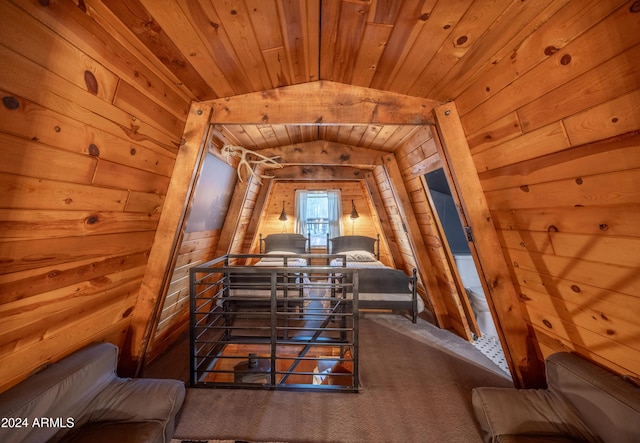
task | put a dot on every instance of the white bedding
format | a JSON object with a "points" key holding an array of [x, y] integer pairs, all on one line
{"points": [[337, 262]]}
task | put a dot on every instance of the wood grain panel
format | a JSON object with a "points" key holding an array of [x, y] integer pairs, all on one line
{"points": [[24, 284], [77, 100], [113, 175], [617, 76], [467, 22], [77, 25], [582, 54], [68, 63], [546, 140], [32, 254], [593, 190], [150, 33], [25, 158], [608, 348], [603, 220], [605, 156], [561, 28], [28, 224], [614, 117], [34, 193], [599, 248], [586, 297], [143, 109], [606, 276], [516, 24], [37, 123]]}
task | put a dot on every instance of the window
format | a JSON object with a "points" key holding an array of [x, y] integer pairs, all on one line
{"points": [[318, 214]]}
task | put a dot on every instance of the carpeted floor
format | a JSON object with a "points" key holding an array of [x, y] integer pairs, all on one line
{"points": [[417, 383]]}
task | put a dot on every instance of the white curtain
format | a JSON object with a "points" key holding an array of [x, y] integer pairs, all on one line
{"points": [[335, 214], [300, 212]]}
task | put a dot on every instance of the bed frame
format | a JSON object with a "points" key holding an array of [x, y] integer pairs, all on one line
{"points": [[342, 243], [379, 287], [294, 243]]}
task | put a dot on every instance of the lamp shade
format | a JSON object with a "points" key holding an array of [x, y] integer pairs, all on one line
{"points": [[354, 213], [283, 215]]}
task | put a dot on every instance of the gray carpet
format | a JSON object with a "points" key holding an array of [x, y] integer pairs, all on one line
{"points": [[417, 383]]}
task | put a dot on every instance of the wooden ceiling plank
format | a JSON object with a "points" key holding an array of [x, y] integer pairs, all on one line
{"points": [[328, 35], [374, 42], [471, 27], [435, 33], [411, 19], [569, 21], [225, 62], [137, 18], [323, 103], [234, 19], [187, 25], [350, 29], [264, 15], [509, 32], [297, 48], [312, 49]]}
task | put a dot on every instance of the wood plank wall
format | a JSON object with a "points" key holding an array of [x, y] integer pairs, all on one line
{"points": [[196, 248], [89, 131], [553, 131], [367, 224]]}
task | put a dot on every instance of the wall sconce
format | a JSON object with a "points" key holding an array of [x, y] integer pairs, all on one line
{"points": [[354, 213], [283, 218], [353, 216]]}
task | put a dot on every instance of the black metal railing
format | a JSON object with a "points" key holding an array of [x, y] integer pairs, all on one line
{"points": [[274, 327]]}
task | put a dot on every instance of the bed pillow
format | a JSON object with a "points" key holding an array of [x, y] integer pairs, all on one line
{"points": [[359, 256], [276, 259]]}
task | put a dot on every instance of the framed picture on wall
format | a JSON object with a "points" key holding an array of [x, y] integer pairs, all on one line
{"points": [[212, 195]]}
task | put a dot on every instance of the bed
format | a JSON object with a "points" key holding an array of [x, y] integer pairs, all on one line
{"points": [[248, 290], [379, 286]]}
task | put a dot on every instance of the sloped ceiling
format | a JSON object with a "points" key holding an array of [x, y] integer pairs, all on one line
{"points": [[422, 48]]}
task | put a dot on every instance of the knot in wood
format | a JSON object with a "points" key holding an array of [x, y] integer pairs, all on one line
{"points": [[462, 40], [11, 103], [94, 151]]}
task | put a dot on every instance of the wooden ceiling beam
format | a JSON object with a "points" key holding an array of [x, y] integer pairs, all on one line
{"points": [[318, 172], [321, 152], [323, 102]]}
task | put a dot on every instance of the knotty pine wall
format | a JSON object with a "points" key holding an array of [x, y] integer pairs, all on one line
{"points": [[553, 130], [195, 248], [367, 224], [89, 131]]}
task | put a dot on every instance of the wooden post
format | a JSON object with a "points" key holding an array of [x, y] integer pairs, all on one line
{"points": [[507, 311], [161, 257]]}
